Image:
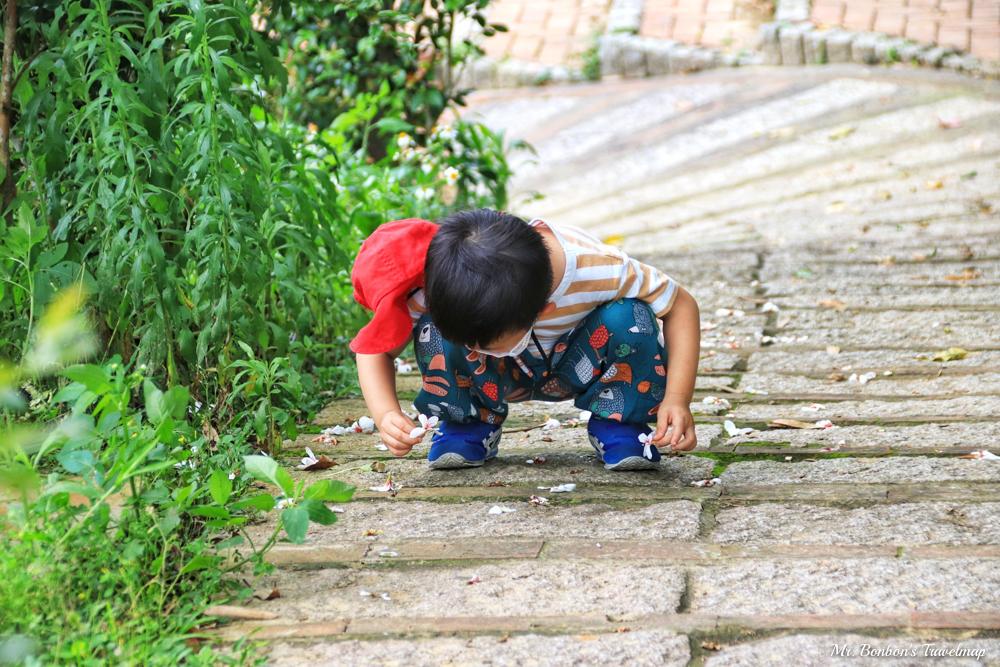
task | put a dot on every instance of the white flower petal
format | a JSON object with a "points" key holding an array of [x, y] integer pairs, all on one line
{"points": [[418, 432]]}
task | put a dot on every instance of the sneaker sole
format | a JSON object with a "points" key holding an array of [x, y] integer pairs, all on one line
{"points": [[451, 460], [633, 463]]}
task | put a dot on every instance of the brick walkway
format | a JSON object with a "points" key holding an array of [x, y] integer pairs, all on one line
{"points": [[970, 25], [551, 32], [730, 25]]}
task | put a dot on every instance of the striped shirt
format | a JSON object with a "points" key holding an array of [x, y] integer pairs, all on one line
{"points": [[596, 273]]}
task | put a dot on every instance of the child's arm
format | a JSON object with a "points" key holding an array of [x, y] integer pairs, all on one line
{"points": [[377, 375], [682, 335]]}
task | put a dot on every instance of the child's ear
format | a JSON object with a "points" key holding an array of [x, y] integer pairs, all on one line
{"points": [[549, 307]]}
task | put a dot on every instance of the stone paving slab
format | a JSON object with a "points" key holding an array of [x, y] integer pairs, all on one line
{"points": [[969, 406], [885, 297], [472, 520], [864, 586], [908, 470], [812, 650], [934, 436], [923, 523], [894, 385], [780, 269], [537, 441], [860, 361], [513, 469], [507, 588], [646, 648]]}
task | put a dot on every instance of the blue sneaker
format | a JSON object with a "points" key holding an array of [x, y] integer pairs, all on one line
{"points": [[618, 445], [463, 445]]}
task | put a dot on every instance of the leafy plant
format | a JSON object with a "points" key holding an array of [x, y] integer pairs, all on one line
{"points": [[260, 382], [132, 528]]}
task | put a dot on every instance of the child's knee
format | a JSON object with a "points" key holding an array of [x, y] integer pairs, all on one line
{"points": [[627, 316]]}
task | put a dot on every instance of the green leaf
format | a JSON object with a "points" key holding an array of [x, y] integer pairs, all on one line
{"points": [[263, 502], [330, 490], [220, 486], [284, 480], [263, 468], [154, 402], [90, 376], [296, 522], [318, 512], [165, 431], [210, 512], [198, 563]]}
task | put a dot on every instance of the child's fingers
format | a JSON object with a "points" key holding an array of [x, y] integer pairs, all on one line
{"points": [[690, 440], [681, 428]]}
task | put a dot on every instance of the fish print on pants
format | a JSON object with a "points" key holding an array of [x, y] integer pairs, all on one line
{"points": [[430, 347], [609, 404]]}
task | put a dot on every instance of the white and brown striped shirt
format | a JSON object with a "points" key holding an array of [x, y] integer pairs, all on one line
{"points": [[596, 273]]}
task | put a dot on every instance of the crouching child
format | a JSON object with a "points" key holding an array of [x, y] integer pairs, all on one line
{"points": [[503, 310]]}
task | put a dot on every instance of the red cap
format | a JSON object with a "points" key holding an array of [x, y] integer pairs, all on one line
{"points": [[389, 266]]}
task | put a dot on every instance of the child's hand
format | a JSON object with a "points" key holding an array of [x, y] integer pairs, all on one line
{"points": [[395, 429], [676, 413]]}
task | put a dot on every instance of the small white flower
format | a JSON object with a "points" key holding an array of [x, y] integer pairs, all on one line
{"points": [[982, 455], [451, 175], [538, 500], [708, 326], [551, 423], [402, 367], [385, 596], [500, 509], [422, 193], [647, 445], [585, 415], [813, 407], [365, 594], [825, 423], [404, 140], [769, 308], [381, 446], [308, 460], [427, 167], [715, 481], [732, 431], [756, 392], [194, 449], [283, 503], [426, 424], [232, 475], [712, 400]]}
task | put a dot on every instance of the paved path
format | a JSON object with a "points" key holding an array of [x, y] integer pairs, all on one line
{"points": [[859, 236]]}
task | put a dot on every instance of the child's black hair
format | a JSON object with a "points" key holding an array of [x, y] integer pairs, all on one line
{"points": [[488, 274]]}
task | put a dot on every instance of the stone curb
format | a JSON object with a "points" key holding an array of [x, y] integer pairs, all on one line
{"points": [[693, 553], [269, 630]]}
